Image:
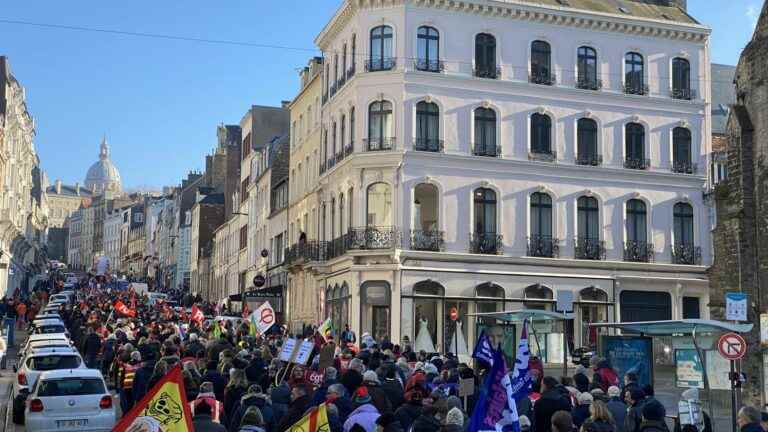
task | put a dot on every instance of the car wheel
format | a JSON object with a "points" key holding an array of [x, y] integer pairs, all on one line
{"points": [[18, 411]]}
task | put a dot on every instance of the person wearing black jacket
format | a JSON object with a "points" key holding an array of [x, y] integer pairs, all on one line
{"points": [[300, 400], [551, 401], [392, 387], [141, 379], [92, 348]]}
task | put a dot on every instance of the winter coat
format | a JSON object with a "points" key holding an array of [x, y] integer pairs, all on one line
{"points": [[451, 428], [281, 398], [205, 423], [751, 427], [232, 397], [394, 391], [618, 410], [598, 426], [193, 348], [407, 414], [653, 426], [549, 403], [352, 379], [141, 380], [580, 414], [365, 416], [259, 401], [295, 412], [634, 417], [379, 399], [92, 345], [345, 407], [255, 370], [426, 423], [321, 392], [581, 381], [219, 383]]}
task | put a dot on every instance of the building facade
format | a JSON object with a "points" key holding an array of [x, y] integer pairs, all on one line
{"points": [[486, 155]]}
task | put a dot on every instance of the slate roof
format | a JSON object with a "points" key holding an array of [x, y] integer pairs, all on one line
{"points": [[68, 190], [723, 95], [650, 9]]}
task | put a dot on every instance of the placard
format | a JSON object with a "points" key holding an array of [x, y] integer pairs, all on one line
{"points": [[286, 352], [305, 349], [689, 413], [630, 354], [466, 387], [735, 306]]}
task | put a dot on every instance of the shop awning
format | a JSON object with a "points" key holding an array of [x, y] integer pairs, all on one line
{"points": [[525, 314], [686, 326]]}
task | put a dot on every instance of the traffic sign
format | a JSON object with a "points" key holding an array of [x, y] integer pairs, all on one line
{"points": [[732, 346], [454, 314]]}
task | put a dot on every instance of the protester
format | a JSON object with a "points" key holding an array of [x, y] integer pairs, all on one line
{"points": [[551, 401], [561, 422], [748, 420], [600, 419], [653, 417]]}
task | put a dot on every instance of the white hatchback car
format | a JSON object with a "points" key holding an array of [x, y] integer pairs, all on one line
{"points": [[35, 364], [70, 400]]}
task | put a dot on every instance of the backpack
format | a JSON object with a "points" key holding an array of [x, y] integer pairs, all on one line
{"points": [[608, 377]]}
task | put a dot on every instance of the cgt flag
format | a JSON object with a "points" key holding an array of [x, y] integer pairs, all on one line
{"points": [[163, 409], [123, 310], [196, 315], [315, 421]]}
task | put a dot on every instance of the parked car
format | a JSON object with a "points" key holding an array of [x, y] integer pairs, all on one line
{"points": [[31, 367]]}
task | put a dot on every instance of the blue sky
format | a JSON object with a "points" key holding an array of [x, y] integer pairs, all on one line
{"points": [[159, 101]]}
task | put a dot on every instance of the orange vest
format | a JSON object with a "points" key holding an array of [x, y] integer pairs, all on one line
{"points": [[218, 407]]}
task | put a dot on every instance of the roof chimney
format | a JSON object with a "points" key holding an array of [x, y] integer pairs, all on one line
{"points": [[58, 187]]}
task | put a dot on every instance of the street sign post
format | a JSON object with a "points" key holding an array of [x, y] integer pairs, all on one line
{"points": [[732, 347], [565, 304]]}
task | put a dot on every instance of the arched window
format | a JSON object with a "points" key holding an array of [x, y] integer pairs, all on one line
{"points": [[490, 298], [379, 205], [586, 69], [333, 218], [541, 134], [681, 79], [484, 238], [681, 151], [485, 56], [634, 74], [380, 126], [541, 243], [351, 129], [344, 62], [334, 137], [586, 143], [684, 250], [343, 134], [428, 50], [335, 72], [381, 49], [342, 226], [324, 224], [427, 306], [426, 233], [353, 60], [541, 63], [427, 127], [588, 244], [537, 296], [634, 136], [485, 133], [637, 248]]}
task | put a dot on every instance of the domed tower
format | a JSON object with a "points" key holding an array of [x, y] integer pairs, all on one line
{"points": [[103, 177]]}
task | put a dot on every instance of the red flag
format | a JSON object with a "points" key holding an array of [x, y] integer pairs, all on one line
{"points": [[123, 310], [197, 314], [174, 414]]}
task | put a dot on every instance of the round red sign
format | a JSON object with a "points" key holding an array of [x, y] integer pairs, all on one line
{"points": [[732, 346]]}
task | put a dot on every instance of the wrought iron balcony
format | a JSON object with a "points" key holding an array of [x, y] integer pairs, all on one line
{"points": [[351, 71], [425, 65], [638, 251], [373, 238], [683, 93], [686, 254], [588, 83], [542, 78], [589, 159], [492, 72], [380, 64], [637, 163], [486, 150], [423, 240], [542, 155], [336, 247], [349, 149], [486, 243], [684, 167], [589, 249], [379, 144], [636, 89], [428, 145], [543, 246], [304, 252]]}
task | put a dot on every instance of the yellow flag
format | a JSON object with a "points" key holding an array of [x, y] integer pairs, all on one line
{"points": [[315, 421], [163, 409]]}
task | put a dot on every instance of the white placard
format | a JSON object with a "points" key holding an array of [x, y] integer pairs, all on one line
{"points": [[302, 357], [263, 317], [287, 350], [735, 306]]}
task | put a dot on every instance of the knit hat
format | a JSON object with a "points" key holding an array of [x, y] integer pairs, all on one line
{"points": [[455, 417], [525, 423], [653, 410], [361, 396], [371, 377], [585, 398], [614, 391], [252, 417]]}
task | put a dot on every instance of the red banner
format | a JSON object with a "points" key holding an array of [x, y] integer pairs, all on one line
{"points": [[123, 310]]}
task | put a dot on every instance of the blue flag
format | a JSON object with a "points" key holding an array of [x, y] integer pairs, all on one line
{"points": [[483, 349], [521, 380]]}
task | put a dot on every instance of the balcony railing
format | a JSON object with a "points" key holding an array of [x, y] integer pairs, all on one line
{"points": [[589, 249], [684, 167], [486, 243], [427, 240], [303, 252], [585, 83], [373, 238], [542, 155], [380, 64], [425, 65], [351, 71], [492, 72], [428, 145], [542, 78], [543, 246], [636, 89], [683, 93], [486, 150], [589, 159], [349, 149], [686, 254], [637, 163], [336, 247], [638, 251], [379, 144]]}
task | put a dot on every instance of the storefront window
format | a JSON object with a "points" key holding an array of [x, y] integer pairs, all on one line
{"points": [[375, 312], [456, 342], [428, 299], [593, 308], [490, 298], [337, 306]]}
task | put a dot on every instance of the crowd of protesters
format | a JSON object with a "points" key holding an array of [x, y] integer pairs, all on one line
{"points": [[235, 382]]}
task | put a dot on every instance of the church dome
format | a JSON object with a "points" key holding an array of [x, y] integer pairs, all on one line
{"points": [[103, 176]]}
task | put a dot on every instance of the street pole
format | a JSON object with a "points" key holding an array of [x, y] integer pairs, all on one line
{"points": [[565, 345], [733, 396]]}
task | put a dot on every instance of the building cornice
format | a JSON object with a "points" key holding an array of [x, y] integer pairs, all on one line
{"points": [[523, 11]]}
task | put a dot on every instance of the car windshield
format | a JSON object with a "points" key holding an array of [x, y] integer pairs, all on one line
{"points": [[48, 329], [53, 362], [71, 387]]}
